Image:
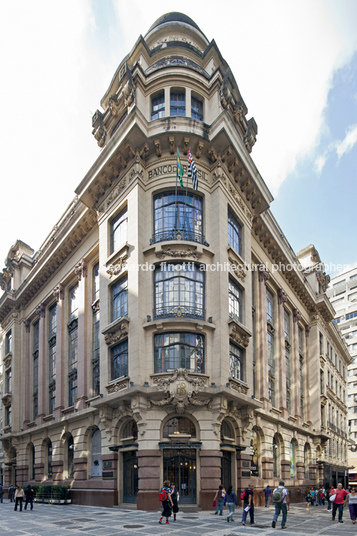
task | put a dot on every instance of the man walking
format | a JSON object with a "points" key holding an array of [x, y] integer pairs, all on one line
{"points": [[11, 491], [339, 503], [248, 505], [281, 500], [267, 494]]}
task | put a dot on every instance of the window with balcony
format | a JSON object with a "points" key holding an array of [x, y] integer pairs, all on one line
{"points": [[179, 350], [234, 233], [196, 109], [119, 231], [236, 368], [158, 107], [177, 104], [119, 360], [119, 299], [179, 291], [178, 217], [235, 301]]}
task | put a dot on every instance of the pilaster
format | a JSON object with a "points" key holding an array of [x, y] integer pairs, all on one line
{"points": [[82, 393], [263, 277], [41, 313], [60, 380], [281, 364], [28, 375]]}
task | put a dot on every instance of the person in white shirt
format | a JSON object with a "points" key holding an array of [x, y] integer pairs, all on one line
{"points": [[282, 501]]}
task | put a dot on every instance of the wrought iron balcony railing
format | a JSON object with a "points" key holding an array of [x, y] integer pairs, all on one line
{"points": [[178, 234], [179, 311]]}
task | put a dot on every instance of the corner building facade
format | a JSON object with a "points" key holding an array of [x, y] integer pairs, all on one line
{"points": [[138, 343]]}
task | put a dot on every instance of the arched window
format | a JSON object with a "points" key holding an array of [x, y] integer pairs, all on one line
{"points": [[96, 452], [130, 430], [70, 457], [276, 468], [226, 430], [49, 460], [254, 451], [307, 459], [31, 459], [179, 425], [292, 459]]}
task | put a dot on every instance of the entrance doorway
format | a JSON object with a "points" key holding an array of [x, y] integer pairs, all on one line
{"points": [[180, 468], [130, 476], [226, 469]]}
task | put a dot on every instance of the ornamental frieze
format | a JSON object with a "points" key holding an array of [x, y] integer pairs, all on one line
{"points": [[181, 38], [115, 269], [117, 386], [116, 333], [176, 62], [7, 361], [166, 251], [240, 388], [238, 334]]}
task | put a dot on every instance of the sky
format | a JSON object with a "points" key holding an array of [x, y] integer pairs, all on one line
{"points": [[295, 63]]}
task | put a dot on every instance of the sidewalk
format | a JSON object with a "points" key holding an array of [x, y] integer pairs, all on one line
{"points": [[53, 520]]}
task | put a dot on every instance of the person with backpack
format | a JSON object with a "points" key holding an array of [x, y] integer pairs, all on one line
{"points": [[282, 504], [248, 505], [267, 495], [166, 501], [230, 499]]}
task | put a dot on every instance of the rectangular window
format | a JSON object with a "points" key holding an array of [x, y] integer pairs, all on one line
{"points": [[8, 343], [236, 362], [119, 231], [287, 325], [36, 331], [270, 337], [52, 357], [321, 344], [234, 233], [158, 107], [95, 333], [235, 301], [8, 381], [72, 344], [119, 299], [119, 360], [8, 416], [196, 109], [179, 351], [177, 104]]}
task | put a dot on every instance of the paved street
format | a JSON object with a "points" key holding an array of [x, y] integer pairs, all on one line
{"points": [[48, 520]]}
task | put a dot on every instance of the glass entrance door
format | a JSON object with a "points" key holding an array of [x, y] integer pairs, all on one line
{"points": [[226, 469], [180, 468], [130, 477]]}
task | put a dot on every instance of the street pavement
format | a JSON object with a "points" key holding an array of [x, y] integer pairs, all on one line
{"points": [[60, 520]]}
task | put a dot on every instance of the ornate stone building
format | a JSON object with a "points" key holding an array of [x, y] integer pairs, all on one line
{"points": [[168, 332]]}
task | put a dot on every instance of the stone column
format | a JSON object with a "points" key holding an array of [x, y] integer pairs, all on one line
{"points": [[307, 378], [82, 393], [295, 383], [167, 104], [281, 364], [262, 350], [42, 376], [149, 462], [27, 375], [60, 379], [210, 476]]}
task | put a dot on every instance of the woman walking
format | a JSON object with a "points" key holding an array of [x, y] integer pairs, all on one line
{"points": [[19, 496], [230, 499], [352, 504], [308, 498], [175, 496], [219, 497]]}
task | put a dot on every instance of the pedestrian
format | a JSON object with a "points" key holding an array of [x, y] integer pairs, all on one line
{"points": [[308, 498], [352, 504], [219, 497], [11, 491], [282, 504], [1, 493], [312, 491], [329, 492], [317, 496], [248, 505], [175, 496], [29, 492], [267, 494], [230, 499], [19, 496], [166, 501], [339, 502], [322, 497]]}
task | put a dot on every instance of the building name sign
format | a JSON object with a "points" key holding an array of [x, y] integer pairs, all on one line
{"points": [[169, 169]]}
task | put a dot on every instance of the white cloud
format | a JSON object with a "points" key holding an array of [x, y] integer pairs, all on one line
{"points": [[320, 163], [348, 142]]}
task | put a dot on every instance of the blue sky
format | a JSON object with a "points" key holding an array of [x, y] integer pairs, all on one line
{"points": [[295, 65]]}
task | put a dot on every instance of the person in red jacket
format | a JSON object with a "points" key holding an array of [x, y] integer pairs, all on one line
{"points": [[339, 503]]}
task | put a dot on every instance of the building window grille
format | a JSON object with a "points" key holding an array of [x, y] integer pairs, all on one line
{"points": [[119, 231], [236, 369], [179, 291], [177, 104], [119, 360], [95, 333], [179, 350], [234, 233], [235, 301], [196, 109], [73, 345], [178, 217], [119, 299], [158, 107]]}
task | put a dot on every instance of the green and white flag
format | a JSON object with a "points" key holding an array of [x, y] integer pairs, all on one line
{"points": [[179, 169]]}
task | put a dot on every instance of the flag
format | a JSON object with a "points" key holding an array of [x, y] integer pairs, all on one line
{"points": [[179, 169], [192, 171]]}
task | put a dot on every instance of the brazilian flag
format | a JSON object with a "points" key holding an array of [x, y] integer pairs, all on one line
{"points": [[179, 169]]}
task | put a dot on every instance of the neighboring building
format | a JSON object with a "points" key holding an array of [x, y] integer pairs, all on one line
{"points": [[343, 296], [139, 344], [2, 454]]}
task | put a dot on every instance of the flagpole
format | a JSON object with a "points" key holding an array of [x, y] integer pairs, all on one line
{"points": [[176, 197], [184, 212]]}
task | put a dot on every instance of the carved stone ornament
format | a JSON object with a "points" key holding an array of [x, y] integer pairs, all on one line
{"points": [[247, 416], [6, 400], [239, 387], [99, 131], [180, 390], [117, 332], [58, 292], [237, 198], [105, 417], [282, 297], [237, 268], [119, 385], [296, 315], [41, 311], [113, 105], [7, 361], [169, 38], [115, 269], [238, 334], [238, 112], [251, 135], [81, 269], [166, 251], [263, 274], [115, 193]]}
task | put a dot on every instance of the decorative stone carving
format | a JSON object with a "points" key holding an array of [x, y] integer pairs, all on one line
{"points": [[307, 331], [251, 194], [41, 311], [251, 134], [199, 148], [105, 417], [167, 39], [212, 155], [115, 269], [158, 147], [144, 151], [225, 95], [116, 333], [233, 164], [296, 316], [6, 400], [256, 202], [172, 145], [113, 105], [180, 389], [130, 149], [245, 184], [7, 361], [324, 280], [237, 197], [121, 159], [238, 112], [238, 334], [117, 386], [81, 269], [99, 131], [166, 251], [186, 144], [263, 274], [237, 268], [239, 387], [113, 169], [27, 326], [247, 416], [282, 297], [165, 62]]}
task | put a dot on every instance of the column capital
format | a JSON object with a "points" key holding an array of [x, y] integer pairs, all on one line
{"points": [[58, 292], [263, 274], [81, 269], [296, 316], [307, 331], [27, 326], [282, 297], [41, 310]]}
